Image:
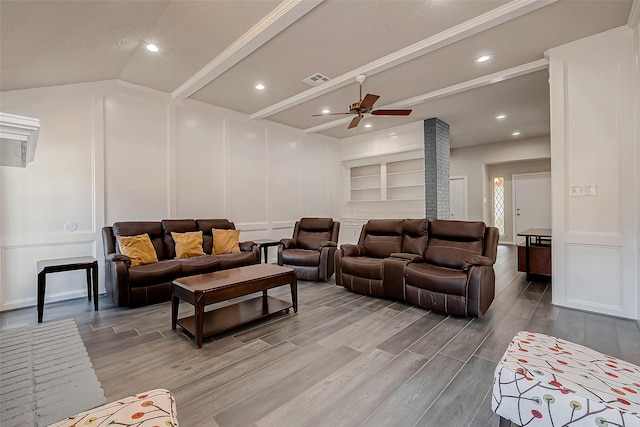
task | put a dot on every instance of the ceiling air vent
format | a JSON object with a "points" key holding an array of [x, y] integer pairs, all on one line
{"points": [[316, 79]]}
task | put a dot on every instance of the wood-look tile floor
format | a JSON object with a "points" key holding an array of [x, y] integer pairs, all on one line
{"points": [[343, 360]]}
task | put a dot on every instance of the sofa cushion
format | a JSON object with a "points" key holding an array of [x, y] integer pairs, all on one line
{"points": [[381, 246], [175, 226], [306, 257], [138, 248], [151, 274], [199, 265], [451, 242], [364, 267], [188, 244], [313, 231], [206, 226], [225, 241], [152, 228], [237, 259], [436, 279]]}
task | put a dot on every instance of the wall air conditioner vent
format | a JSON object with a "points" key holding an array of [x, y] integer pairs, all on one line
{"points": [[316, 80]]}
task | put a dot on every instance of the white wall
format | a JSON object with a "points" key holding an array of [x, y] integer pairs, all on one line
{"points": [[112, 151], [593, 141], [472, 162]]}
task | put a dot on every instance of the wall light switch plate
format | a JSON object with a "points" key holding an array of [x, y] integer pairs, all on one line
{"points": [[590, 189], [576, 190]]}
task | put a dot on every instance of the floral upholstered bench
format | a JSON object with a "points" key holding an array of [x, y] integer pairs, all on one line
{"points": [[546, 381], [152, 408]]}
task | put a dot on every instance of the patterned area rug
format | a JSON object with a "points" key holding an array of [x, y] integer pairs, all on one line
{"points": [[45, 375]]}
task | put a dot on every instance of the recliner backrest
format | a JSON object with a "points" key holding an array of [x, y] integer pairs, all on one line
{"points": [[310, 232], [414, 240], [134, 228], [382, 237], [450, 242]]}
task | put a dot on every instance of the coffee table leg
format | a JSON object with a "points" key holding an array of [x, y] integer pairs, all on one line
{"points": [[199, 306], [175, 303], [294, 293]]}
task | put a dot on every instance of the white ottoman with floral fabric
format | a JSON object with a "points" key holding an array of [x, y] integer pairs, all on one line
{"points": [[151, 408], [546, 381]]}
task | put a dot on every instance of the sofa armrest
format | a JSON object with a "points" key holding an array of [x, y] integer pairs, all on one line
{"points": [[287, 243], [327, 244], [467, 263], [118, 257], [481, 288], [352, 250], [407, 256], [246, 246]]}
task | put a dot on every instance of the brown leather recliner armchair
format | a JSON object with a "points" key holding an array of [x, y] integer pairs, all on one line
{"points": [[310, 253]]}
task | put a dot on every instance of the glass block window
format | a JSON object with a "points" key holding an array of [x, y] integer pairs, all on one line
{"points": [[498, 203]]}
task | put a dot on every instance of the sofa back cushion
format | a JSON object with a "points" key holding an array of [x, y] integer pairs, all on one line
{"points": [[414, 240], [450, 242], [313, 231], [175, 226], [382, 237], [134, 228], [206, 225]]}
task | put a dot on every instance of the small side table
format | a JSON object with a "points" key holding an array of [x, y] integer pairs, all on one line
{"points": [[263, 245], [87, 263]]}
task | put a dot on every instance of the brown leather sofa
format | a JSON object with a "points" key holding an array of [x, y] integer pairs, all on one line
{"points": [[310, 252], [151, 283], [442, 265]]}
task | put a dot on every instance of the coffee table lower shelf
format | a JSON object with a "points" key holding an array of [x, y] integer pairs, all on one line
{"points": [[231, 316]]}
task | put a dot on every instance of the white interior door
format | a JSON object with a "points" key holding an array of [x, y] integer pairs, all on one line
{"points": [[458, 197], [532, 202]]}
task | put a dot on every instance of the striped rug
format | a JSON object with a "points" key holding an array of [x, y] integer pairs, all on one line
{"points": [[45, 375]]}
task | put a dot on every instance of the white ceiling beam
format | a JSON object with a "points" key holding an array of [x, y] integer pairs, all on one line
{"points": [[497, 16], [489, 79], [287, 12]]}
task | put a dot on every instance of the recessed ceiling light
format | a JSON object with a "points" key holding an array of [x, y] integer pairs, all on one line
{"points": [[483, 58], [152, 47], [326, 111], [516, 133], [501, 116], [368, 125], [260, 86]]}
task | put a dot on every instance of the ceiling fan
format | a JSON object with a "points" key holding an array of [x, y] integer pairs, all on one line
{"points": [[365, 106]]}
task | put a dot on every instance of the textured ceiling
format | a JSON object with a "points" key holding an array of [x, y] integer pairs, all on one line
{"points": [[217, 51]]}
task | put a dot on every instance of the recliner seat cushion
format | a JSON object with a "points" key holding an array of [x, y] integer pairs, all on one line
{"points": [[436, 279], [199, 265], [364, 267], [303, 257], [163, 271]]}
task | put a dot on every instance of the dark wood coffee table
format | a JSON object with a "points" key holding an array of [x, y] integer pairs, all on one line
{"points": [[205, 289]]}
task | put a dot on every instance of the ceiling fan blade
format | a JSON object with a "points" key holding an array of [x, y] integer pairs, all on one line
{"points": [[354, 122], [368, 101], [329, 114], [391, 112]]}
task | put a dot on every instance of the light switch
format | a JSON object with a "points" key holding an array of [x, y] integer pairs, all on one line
{"points": [[576, 190], [590, 189]]}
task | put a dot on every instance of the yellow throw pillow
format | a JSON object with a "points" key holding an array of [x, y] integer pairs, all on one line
{"points": [[138, 248], [188, 244], [225, 241]]}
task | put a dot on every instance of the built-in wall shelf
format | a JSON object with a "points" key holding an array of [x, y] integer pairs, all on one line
{"points": [[401, 180]]}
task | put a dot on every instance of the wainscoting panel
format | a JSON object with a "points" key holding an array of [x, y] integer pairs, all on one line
{"points": [[594, 277], [199, 164]]}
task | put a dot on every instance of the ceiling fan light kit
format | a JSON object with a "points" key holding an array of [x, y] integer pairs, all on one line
{"points": [[365, 106]]}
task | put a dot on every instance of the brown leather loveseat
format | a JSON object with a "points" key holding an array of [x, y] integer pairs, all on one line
{"points": [[441, 265], [151, 283]]}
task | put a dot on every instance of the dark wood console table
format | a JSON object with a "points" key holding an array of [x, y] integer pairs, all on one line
{"points": [[67, 264], [535, 257]]}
